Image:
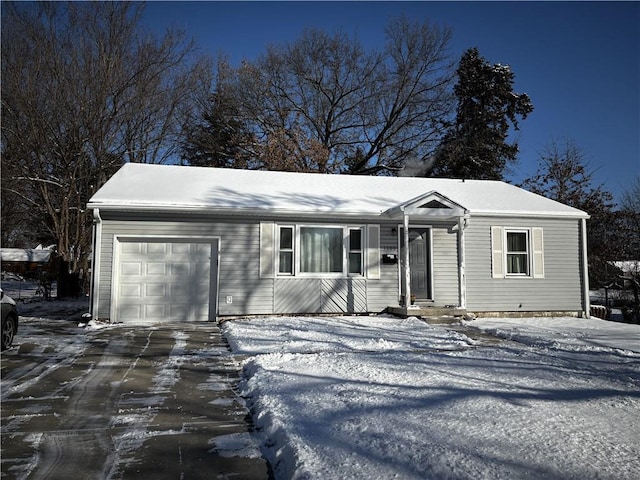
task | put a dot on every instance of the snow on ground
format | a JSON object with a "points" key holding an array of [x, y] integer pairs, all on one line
{"points": [[582, 334], [23, 289], [382, 397]]}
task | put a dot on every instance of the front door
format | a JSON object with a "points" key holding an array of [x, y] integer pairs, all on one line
{"points": [[420, 262]]}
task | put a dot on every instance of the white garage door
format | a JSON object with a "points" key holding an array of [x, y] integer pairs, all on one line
{"points": [[165, 280]]}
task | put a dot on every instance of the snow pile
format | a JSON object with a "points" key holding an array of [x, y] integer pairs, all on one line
{"points": [[338, 334], [379, 397]]}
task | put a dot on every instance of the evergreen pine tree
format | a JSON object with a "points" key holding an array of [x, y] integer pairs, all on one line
{"points": [[476, 145]]}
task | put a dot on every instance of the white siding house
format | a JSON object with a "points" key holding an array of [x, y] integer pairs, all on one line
{"points": [[191, 243]]}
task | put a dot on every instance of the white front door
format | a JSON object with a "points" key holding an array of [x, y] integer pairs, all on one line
{"points": [[165, 279]]}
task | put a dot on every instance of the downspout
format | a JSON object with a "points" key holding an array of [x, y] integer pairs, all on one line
{"points": [[407, 269], [95, 263], [585, 271]]}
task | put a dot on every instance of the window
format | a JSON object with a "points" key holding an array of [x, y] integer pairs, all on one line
{"points": [[285, 259], [355, 251], [321, 250], [517, 252]]}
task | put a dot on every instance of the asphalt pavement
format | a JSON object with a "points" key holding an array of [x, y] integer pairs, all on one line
{"points": [[146, 402]]}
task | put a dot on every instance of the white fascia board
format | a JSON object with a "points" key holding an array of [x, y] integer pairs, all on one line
{"points": [[531, 214], [392, 213], [239, 211]]}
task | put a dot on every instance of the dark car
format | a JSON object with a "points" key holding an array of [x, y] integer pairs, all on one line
{"points": [[9, 320]]}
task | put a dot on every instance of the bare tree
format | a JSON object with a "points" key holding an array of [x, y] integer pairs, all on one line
{"points": [[564, 176], [630, 214], [85, 89], [337, 108], [630, 233], [631, 195]]}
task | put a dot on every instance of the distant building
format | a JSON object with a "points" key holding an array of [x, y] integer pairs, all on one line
{"points": [[25, 261]]}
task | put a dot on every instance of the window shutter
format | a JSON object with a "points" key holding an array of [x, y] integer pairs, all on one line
{"points": [[267, 250], [497, 252], [537, 245], [373, 251]]}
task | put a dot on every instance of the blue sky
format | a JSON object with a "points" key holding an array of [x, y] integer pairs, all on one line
{"points": [[578, 61]]}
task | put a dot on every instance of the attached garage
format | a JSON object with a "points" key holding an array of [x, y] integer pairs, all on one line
{"points": [[175, 243], [162, 279]]}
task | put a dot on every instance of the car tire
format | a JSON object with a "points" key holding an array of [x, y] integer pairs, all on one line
{"points": [[9, 326]]}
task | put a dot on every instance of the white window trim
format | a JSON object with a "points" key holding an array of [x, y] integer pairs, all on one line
{"points": [[279, 227], [361, 251], [535, 252], [529, 252], [345, 251]]}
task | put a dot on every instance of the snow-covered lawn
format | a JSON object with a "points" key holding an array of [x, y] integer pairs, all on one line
{"points": [[382, 397]]}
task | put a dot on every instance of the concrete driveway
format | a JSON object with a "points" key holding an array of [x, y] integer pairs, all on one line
{"points": [[124, 402]]}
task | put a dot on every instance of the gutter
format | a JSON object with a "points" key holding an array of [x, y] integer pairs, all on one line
{"points": [[395, 212], [566, 215], [231, 210]]}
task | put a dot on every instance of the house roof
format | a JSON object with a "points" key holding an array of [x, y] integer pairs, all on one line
{"points": [[31, 255], [201, 189]]}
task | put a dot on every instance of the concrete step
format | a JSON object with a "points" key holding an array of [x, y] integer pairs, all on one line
{"points": [[431, 314]]}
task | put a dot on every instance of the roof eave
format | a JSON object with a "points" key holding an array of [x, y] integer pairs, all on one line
{"points": [[232, 210], [390, 214], [577, 215]]}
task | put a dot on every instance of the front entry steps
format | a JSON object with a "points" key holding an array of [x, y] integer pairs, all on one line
{"points": [[430, 314]]}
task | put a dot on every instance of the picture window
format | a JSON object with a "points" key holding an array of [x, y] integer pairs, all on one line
{"points": [[320, 250]]}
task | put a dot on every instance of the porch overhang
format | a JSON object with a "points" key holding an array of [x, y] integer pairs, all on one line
{"points": [[431, 205]]}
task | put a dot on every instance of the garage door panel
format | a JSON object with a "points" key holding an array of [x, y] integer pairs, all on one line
{"points": [[201, 314], [180, 248], [155, 290], [155, 311], [177, 269], [131, 247], [178, 312], [202, 269], [156, 248], [164, 280], [202, 249], [130, 311], [156, 268], [131, 290], [131, 268], [200, 291], [178, 290]]}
